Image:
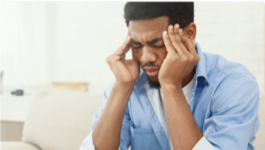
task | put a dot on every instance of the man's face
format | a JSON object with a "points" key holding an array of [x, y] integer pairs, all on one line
{"points": [[148, 45]]}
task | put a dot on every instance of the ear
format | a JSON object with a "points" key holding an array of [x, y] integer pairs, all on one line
{"points": [[190, 31]]}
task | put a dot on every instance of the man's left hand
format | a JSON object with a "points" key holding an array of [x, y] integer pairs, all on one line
{"points": [[181, 57]]}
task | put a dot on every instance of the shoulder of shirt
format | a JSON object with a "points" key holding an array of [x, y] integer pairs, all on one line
{"points": [[215, 63]]}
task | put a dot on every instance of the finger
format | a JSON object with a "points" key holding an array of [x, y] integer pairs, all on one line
{"points": [[182, 45], [175, 38], [183, 50], [117, 58], [176, 31], [168, 44], [188, 43], [190, 46], [125, 47]]}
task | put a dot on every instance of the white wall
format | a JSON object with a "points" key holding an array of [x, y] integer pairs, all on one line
{"points": [[23, 44], [43, 42], [234, 30], [85, 33]]}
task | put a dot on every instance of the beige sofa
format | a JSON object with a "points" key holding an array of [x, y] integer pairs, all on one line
{"points": [[61, 120]]}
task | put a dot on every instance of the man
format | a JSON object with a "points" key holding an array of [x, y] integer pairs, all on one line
{"points": [[171, 95]]}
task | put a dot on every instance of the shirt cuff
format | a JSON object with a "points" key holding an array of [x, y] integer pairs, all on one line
{"points": [[88, 143], [203, 144]]}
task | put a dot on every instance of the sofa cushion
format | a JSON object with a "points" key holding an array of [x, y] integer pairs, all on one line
{"points": [[60, 120], [17, 146]]}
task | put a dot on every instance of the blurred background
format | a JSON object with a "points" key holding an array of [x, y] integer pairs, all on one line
{"points": [[43, 42], [47, 42]]}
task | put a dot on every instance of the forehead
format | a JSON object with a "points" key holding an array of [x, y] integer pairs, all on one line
{"points": [[145, 30]]}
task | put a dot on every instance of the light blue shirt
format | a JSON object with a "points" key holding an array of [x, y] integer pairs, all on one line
{"points": [[224, 102]]}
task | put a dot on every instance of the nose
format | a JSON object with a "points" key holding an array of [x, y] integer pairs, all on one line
{"points": [[148, 55]]}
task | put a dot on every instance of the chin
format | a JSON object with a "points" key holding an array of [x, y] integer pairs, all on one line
{"points": [[153, 82], [153, 79]]}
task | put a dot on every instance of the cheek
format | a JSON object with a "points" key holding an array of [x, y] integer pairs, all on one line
{"points": [[162, 55]]}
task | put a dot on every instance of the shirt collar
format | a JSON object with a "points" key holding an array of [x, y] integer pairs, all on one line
{"points": [[142, 79], [201, 74]]}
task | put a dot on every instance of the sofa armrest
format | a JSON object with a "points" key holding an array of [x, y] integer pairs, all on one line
{"points": [[17, 146]]}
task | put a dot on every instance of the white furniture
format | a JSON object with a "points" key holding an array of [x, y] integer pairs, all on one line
{"points": [[57, 120], [14, 108], [61, 120]]}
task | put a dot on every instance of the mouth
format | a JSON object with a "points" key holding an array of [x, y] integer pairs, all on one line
{"points": [[151, 72]]}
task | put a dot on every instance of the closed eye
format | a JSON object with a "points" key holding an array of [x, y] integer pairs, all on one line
{"points": [[137, 47], [159, 46]]}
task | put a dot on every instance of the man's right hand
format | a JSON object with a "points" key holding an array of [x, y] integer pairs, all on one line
{"points": [[106, 134], [125, 71]]}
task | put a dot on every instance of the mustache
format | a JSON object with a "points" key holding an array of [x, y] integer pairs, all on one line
{"points": [[149, 65]]}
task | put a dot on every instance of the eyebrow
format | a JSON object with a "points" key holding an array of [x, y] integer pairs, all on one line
{"points": [[153, 41]]}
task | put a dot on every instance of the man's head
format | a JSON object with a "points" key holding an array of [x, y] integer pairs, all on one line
{"points": [[146, 22]]}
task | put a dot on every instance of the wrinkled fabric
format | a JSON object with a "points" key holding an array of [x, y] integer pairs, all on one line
{"points": [[224, 102]]}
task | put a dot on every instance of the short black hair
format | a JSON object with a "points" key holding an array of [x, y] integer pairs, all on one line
{"points": [[178, 12]]}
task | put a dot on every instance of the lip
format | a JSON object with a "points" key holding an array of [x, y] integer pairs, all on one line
{"points": [[151, 72]]}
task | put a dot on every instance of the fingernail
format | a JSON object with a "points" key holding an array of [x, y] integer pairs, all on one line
{"points": [[165, 32], [176, 26], [170, 27], [180, 31]]}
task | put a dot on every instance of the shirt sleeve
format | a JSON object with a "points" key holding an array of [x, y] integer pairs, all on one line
{"points": [[88, 144], [203, 144], [234, 113]]}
